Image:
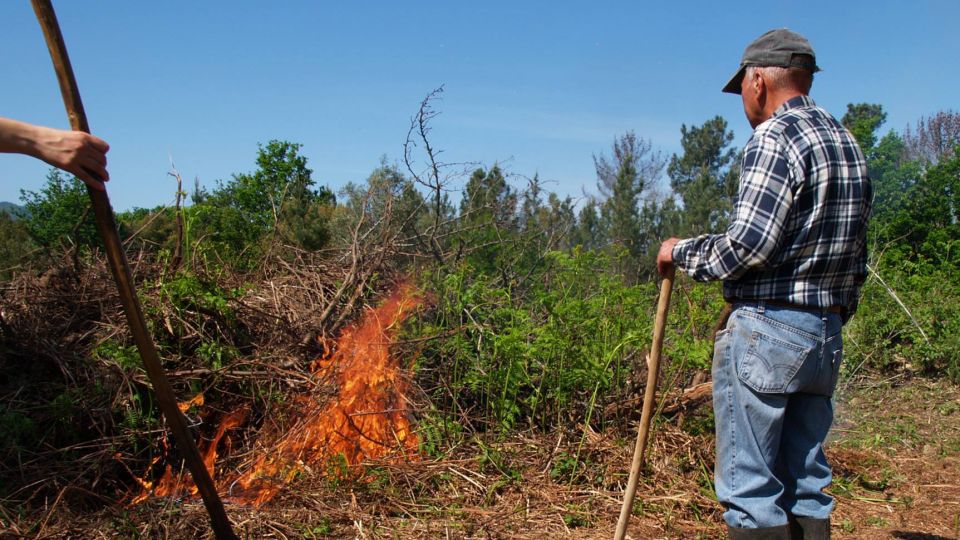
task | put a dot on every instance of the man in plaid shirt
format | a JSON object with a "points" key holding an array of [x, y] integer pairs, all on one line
{"points": [[792, 262]]}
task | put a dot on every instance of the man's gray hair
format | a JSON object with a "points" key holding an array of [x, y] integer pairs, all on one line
{"points": [[781, 77]]}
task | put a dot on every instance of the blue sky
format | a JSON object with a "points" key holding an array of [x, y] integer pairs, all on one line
{"points": [[539, 87]]}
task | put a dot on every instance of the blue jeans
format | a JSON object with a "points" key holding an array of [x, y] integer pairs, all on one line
{"points": [[774, 372]]}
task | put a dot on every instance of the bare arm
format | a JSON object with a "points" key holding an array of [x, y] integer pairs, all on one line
{"points": [[76, 152]]}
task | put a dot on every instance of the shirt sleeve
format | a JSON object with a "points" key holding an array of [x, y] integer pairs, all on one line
{"points": [[862, 270], [759, 216]]}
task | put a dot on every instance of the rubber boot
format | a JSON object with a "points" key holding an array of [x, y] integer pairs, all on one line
{"points": [[802, 528], [780, 532]]}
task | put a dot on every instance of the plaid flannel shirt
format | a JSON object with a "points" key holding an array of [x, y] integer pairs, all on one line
{"points": [[799, 226]]}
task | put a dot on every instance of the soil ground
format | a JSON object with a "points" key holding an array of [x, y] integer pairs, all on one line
{"points": [[895, 450]]}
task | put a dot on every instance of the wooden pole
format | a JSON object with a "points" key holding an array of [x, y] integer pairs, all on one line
{"points": [[653, 370], [121, 274]]}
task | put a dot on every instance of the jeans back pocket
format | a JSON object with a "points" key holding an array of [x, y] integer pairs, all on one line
{"points": [[770, 363]]}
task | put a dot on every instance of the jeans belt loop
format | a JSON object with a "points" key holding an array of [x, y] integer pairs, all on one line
{"points": [[761, 306]]}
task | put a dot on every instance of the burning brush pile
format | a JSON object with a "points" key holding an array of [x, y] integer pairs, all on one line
{"points": [[77, 412], [366, 419]]}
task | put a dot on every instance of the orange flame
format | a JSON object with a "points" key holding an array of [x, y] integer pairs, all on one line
{"points": [[196, 401], [170, 485], [367, 420]]}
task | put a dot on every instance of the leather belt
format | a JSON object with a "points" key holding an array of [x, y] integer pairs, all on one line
{"points": [[839, 310]]}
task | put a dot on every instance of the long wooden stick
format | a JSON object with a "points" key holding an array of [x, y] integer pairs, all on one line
{"points": [[653, 370], [121, 273]]}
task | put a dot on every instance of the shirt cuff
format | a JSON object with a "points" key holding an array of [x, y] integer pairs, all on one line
{"points": [[679, 253]]}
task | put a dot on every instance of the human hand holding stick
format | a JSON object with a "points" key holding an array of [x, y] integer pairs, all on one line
{"points": [[76, 152]]}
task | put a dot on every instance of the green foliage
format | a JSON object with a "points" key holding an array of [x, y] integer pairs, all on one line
{"points": [[907, 316], [622, 179], [577, 515], [703, 424], [543, 226], [488, 198], [154, 228], [282, 175], [199, 320], [63, 411], [922, 223], [863, 120], [15, 244], [388, 203], [139, 415], [923, 334], [564, 467], [916, 261], [437, 432], [588, 233], [127, 357], [216, 354], [540, 357], [322, 529], [661, 220], [60, 211], [892, 175], [238, 217], [694, 311], [619, 211], [188, 293], [225, 234], [488, 213], [705, 177], [578, 468], [305, 223]]}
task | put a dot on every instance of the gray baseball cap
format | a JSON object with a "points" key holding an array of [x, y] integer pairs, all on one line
{"points": [[781, 48]]}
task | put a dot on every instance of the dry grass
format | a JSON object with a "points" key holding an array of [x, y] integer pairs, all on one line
{"points": [[566, 485], [523, 487]]}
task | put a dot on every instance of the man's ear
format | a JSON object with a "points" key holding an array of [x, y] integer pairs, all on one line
{"points": [[760, 87], [759, 84]]}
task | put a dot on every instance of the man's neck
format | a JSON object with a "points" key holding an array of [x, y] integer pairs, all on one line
{"points": [[776, 99]]}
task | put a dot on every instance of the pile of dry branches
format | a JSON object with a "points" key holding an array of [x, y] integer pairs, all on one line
{"points": [[76, 408]]}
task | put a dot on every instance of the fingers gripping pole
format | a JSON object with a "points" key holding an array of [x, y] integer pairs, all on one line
{"points": [[121, 273], [653, 369]]}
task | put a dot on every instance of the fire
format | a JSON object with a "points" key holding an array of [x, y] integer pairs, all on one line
{"points": [[367, 419], [171, 485], [196, 401]]}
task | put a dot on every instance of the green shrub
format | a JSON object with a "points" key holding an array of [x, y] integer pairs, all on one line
{"points": [[923, 334], [15, 244], [548, 355], [60, 211], [127, 357]]}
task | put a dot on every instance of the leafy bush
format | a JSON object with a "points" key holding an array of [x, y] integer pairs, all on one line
{"points": [[923, 334], [15, 244], [59, 211], [126, 357], [909, 315], [550, 355], [199, 319], [239, 220]]}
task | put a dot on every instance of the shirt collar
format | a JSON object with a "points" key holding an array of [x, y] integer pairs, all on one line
{"points": [[794, 103]]}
